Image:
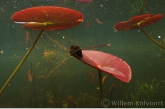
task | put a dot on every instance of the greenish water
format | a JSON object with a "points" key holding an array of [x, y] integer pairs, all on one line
{"points": [[55, 81]]}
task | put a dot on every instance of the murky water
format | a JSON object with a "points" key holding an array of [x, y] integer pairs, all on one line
{"points": [[60, 80]]}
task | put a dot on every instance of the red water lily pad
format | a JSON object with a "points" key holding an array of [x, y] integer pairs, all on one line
{"points": [[142, 20], [107, 63], [54, 17]]}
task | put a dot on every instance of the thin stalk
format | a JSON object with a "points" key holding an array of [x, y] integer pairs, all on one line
{"points": [[21, 62], [100, 78], [100, 85], [143, 6], [151, 37]]}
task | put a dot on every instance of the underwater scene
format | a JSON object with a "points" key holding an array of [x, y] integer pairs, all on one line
{"points": [[82, 53]]}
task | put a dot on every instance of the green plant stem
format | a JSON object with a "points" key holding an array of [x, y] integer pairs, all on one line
{"points": [[101, 87], [151, 37], [21, 62]]}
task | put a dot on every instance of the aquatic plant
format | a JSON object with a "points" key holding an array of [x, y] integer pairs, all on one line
{"points": [[87, 100], [152, 91], [131, 97], [65, 103]]}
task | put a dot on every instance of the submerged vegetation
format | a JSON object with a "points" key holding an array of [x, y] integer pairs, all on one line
{"points": [[152, 92], [51, 78]]}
